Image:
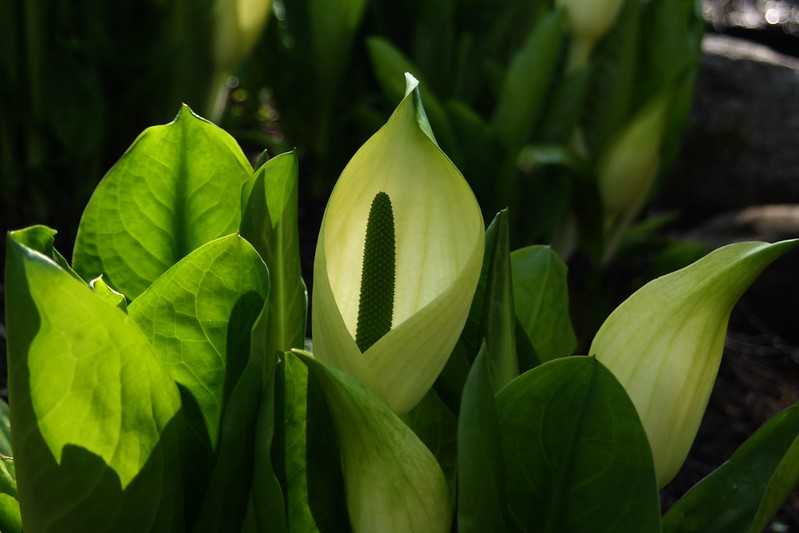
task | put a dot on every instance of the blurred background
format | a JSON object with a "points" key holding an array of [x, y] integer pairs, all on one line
{"points": [[632, 141]]}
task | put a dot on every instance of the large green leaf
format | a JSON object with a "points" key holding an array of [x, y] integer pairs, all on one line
{"points": [[198, 316], [433, 41], [391, 480], [306, 452], [96, 416], [481, 483], [540, 293], [268, 500], [226, 501], [5, 430], [177, 187], [10, 518], [576, 455], [437, 427], [613, 69], [499, 318], [527, 81], [744, 493], [269, 222]]}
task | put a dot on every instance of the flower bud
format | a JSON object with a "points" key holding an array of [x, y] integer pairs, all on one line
{"points": [[238, 25], [628, 167], [588, 21]]}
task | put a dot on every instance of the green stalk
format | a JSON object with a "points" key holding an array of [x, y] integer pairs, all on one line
{"points": [[376, 302]]}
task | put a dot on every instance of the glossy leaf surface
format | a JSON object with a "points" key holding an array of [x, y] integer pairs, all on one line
{"points": [[576, 456], [96, 416], [177, 187]]}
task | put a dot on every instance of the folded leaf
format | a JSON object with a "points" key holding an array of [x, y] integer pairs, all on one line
{"points": [[391, 480]]}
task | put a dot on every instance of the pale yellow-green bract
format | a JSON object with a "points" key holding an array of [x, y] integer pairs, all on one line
{"points": [[439, 251], [664, 344], [628, 167], [237, 27], [587, 21]]}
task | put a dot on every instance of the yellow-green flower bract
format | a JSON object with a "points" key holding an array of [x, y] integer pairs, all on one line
{"points": [[664, 344], [439, 250]]}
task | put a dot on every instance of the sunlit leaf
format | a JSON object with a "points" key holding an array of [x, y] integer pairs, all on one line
{"points": [[198, 317], [96, 417], [177, 187]]}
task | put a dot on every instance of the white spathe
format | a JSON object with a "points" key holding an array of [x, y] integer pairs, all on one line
{"points": [[439, 249]]}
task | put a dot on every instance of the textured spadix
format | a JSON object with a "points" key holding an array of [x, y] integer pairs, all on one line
{"points": [[439, 235], [664, 344]]}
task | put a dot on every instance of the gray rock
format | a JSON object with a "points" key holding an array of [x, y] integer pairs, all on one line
{"points": [[742, 141]]}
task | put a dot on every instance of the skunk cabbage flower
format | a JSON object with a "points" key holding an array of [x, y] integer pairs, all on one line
{"points": [[664, 344], [628, 167], [238, 25], [588, 21], [397, 260]]}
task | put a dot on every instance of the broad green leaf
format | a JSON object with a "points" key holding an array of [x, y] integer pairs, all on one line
{"points": [[225, 505], [576, 456], [499, 318], [671, 55], [198, 316], [437, 427], [269, 222], [333, 25], [743, 494], [96, 416], [391, 480], [664, 343], [613, 68], [475, 150], [268, 502], [5, 430], [563, 111], [10, 519], [527, 81], [671, 47], [540, 293], [310, 469], [432, 42], [481, 483], [177, 187], [450, 382]]}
